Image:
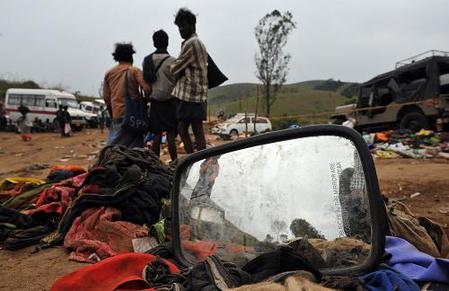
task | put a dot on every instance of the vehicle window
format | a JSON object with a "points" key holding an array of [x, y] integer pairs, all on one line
{"points": [[39, 100], [245, 120], [13, 99], [261, 120], [50, 103], [444, 78], [68, 102]]}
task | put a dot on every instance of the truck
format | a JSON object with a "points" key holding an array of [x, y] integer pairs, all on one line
{"points": [[413, 96], [43, 104]]}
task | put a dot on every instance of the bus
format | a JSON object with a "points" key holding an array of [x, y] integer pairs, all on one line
{"points": [[43, 104]]}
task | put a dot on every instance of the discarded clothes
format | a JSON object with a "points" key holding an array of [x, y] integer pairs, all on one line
{"points": [[136, 193], [122, 272], [99, 233], [404, 143], [416, 265], [57, 198], [26, 198], [11, 187], [283, 259], [11, 219], [303, 281], [62, 172], [424, 234], [387, 279]]}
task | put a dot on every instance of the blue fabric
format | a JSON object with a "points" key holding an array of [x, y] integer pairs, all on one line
{"points": [[118, 135], [408, 260], [386, 278]]}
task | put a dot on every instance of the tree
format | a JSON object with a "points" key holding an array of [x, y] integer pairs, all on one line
{"points": [[278, 226], [301, 228], [272, 63]]}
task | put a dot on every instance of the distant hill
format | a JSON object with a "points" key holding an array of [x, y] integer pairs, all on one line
{"points": [[307, 97]]}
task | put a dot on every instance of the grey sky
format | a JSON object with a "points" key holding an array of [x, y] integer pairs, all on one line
{"points": [[70, 42]]}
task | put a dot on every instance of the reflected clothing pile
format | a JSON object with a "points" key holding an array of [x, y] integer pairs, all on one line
{"points": [[100, 233]]}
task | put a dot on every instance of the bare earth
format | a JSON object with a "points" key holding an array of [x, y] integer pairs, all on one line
{"points": [[21, 270]]}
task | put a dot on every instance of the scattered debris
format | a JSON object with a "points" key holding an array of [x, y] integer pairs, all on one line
{"points": [[403, 143], [38, 166], [415, 195]]}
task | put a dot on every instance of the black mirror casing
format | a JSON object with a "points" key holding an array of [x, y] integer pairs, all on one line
{"points": [[376, 204]]}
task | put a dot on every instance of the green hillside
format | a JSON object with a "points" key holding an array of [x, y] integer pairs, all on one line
{"points": [[309, 97]]}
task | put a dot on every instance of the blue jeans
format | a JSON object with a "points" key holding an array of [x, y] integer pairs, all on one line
{"points": [[120, 136]]}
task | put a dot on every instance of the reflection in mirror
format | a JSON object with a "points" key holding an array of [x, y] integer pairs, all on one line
{"points": [[308, 193]]}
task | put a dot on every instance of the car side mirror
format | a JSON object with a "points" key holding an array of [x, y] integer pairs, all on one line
{"points": [[313, 189]]}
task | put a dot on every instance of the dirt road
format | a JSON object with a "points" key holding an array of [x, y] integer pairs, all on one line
{"points": [[22, 270]]}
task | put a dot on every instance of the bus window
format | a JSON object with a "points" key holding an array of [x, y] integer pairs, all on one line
{"points": [[51, 103]]}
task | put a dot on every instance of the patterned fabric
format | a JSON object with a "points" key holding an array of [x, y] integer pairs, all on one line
{"points": [[190, 68]]}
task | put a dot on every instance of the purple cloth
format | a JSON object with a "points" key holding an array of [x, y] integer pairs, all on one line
{"points": [[416, 265]]}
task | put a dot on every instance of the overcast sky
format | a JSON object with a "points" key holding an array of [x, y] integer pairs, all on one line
{"points": [[70, 42]]}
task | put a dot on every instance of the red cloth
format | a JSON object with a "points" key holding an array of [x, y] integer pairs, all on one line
{"points": [[98, 234], [58, 197], [120, 272]]}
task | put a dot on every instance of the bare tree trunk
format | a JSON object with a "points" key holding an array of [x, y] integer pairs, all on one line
{"points": [[267, 96]]}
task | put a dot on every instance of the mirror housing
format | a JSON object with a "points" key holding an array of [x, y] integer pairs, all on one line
{"points": [[376, 205]]}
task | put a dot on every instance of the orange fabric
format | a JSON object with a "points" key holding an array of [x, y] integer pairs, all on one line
{"points": [[200, 249], [381, 136], [122, 272], [73, 168]]}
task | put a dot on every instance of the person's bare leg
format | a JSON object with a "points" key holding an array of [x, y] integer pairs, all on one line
{"points": [[183, 129], [171, 140], [198, 132], [156, 146]]}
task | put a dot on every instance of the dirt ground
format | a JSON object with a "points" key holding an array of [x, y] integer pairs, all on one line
{"points": [[22, 270]]}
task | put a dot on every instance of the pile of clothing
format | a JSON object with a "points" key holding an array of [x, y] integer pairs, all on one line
{"points": [[404, 268], [407, 144], [96, 214], [416, 258]]}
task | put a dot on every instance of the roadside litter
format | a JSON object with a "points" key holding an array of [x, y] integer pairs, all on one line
{"points": [[406, 144]]}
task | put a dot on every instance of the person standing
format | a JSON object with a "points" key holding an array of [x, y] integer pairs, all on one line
{"points": [[101, 118], [60, 119], [67, 121], [121, 79], [190, 69], [24, 123], [156, 70]]}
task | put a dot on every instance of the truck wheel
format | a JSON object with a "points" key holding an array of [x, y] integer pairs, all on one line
{"points": [[414, 121], [234, 133]]}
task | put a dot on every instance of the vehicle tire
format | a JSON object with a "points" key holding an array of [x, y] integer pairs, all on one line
{"points": [[414, 121], [234, 133]]}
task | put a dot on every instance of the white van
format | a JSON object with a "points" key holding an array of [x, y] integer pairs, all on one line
{"points": [[89, 107], [43, 104], [239, 124]]}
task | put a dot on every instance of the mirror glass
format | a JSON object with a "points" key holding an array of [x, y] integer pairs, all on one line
{"points": [[308, 193]]}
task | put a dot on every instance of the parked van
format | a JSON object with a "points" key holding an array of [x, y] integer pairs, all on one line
{"points": [[43, 105]]}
